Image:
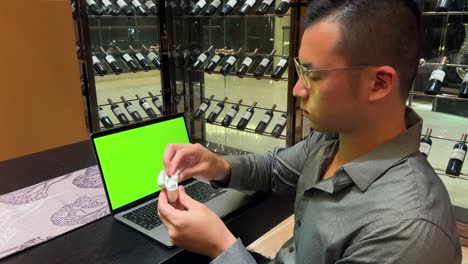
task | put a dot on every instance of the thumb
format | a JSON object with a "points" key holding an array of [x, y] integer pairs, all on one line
{"points": [[185, 200]]}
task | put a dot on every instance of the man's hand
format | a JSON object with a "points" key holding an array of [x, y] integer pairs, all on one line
{"points": [[194, 227], [194, 159]]}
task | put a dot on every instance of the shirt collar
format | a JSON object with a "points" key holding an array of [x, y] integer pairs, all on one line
{"points": [[369, 167]]}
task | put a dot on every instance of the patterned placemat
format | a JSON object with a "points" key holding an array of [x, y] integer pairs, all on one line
{"points": [[43, 211]]}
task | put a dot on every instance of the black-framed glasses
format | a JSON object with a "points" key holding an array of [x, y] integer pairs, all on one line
{"points": [[307, 74]]}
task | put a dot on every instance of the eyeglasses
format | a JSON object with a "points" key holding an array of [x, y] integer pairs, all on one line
{"points": [[307, 75]]}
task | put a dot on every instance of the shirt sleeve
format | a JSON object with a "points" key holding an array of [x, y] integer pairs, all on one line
{"points": [[276, 171], [236, 254], [411, 241]]}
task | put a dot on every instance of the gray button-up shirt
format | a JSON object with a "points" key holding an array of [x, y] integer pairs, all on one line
{"points": [[388, 206]]}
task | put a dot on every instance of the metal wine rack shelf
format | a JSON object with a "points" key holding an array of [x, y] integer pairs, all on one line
{"points": [[243, 76], [236, 16], [131, 100], [246, 105], [449, 13], [442, 96], [124, 71], [248, 130], [441, 172]]}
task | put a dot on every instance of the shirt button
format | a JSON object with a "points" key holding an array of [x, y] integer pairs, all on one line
{"points": [[298, 222], [291, 249]]}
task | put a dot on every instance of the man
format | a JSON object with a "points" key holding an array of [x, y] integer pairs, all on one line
{"points": [[364, 193]]}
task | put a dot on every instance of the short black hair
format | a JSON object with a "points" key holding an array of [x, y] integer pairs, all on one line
{"points": [[375, 32]]}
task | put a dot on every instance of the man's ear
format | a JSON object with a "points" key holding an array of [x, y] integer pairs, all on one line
{"points": [[384, 82]]}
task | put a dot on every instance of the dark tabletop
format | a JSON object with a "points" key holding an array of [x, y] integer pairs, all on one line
{"points": [[105, 240]]}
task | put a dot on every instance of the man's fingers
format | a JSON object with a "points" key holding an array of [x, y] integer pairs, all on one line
{"points": [[178, 158], [165, 209], [185, 200], [169, 153]]}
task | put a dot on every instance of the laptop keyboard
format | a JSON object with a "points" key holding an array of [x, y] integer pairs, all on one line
{"points": [[147, 217]]}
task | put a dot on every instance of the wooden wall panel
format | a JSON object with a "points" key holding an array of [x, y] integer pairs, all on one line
{"points": [[41, 106]]}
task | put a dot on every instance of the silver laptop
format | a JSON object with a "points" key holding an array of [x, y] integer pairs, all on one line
{"points": [[130, 159]]}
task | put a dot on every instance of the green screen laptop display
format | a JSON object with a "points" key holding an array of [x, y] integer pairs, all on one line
{"points": [[131, 160]]}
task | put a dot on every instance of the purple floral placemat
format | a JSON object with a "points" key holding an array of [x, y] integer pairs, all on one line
{"points": [[43, 211]]}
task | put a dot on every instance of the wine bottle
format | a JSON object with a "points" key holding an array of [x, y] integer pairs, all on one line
{"points": [[264, 65], [261, 10], [280, 68], [128, 59], [230, 62], [246, 64], [151, 7], [248, 5], [202, 58], [206, 102], [463, 93], [112, 62], [278, 129], [227, 120], [212, 8], [146, 107], [265, 121], [443, 5], [283, 7], [157, 102], [104, 118], [437, 78], [94, 7], [141, 59], [217, 110], [123, 119], [244, 121], [228, 7], [426, 143], [110, 8], [457, 157], [139, 8], [98, 66], [219, 55], [131, 110], [153, 58], [125, 8], [198, 8]]}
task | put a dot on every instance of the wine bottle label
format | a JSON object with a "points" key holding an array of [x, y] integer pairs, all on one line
{"points": [[152, 56], [458, 154], [131, 109], [203, 107], [264, 62], [150, 4], [146, 105], [216, 3], [158, 103], [266, 119], [95, 60], [201, 3], [282, 121], [282, 62], [117, 111], [268, 2], [438, 75], [424, 148], [465, 79], [102, 114], [247, 115], [250, 2], [110, 59], [247, 61], [216, 58], [286, 1], [232, 3], [136, 3], [121, 3], [107, 3], [217, 110], [202, 57], [233, 112], [127, 57], [231, 60], [90, 2], [139, 56]]}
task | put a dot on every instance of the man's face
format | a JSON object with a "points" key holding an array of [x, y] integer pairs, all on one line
{"points": [[332, 103]]}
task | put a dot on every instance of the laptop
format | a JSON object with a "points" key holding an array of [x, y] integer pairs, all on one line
{"points": [[130, 158]]}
